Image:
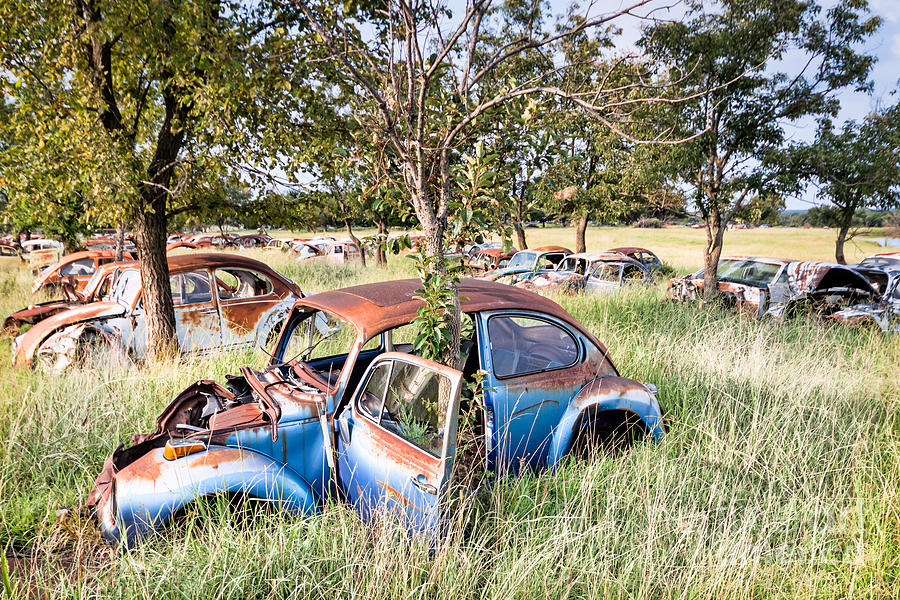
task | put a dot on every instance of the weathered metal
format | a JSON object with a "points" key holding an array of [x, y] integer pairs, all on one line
{"points": [[883, 311], [646, 257], [297, 431], [97, 289], [487, 259], [74, 269], [210, 313], [526, 262], [779, 287], [588, 272]]}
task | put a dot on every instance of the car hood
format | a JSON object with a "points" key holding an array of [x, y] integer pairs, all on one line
{"points": [[811, 276], [27, 344]]}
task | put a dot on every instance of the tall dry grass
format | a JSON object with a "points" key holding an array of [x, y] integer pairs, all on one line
{"points": [[779, 477]]}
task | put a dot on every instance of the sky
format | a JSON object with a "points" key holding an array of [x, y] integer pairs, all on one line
{"points": [[885, 45]]}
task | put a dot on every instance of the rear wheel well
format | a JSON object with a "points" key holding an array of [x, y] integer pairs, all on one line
{"points": [[606, 431]]}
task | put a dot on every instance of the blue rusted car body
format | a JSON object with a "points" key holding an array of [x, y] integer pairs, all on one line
{"points": [[373, 423], [526, 262]]}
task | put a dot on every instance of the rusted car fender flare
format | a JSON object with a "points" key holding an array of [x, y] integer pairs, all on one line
{"points": [[149, 491], [27, 344], [606, 393], [277, 315], [65, 341]]}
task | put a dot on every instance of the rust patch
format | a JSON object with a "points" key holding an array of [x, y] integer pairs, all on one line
{"points": [[239, 416]]}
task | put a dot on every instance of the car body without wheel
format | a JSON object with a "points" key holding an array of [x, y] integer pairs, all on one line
{"points": [[778, 287], [525, 262], [74, 270], [98, 288], [883, 272], [344, 408], [589, 273]]}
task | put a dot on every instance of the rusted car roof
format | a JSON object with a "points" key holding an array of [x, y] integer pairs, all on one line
{"points": [[629, 250], [548, 249], [374, 307]]}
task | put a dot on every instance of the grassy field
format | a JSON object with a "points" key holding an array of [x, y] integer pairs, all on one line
{"points": [[779, 477], [682, 247]]}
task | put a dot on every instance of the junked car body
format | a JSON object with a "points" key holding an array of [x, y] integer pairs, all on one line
{"points": [[779, 287], [97, 289], [883, 272], [74, 269], [221, 301], [362, 418], [642, 255], [525, 262], [591, 273], [333, 251], [487, 259], [10, 255]]}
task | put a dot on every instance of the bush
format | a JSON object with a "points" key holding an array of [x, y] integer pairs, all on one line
{"points": [[649, 223]]}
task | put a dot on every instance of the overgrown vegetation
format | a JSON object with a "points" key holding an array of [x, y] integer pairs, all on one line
{"points": [[779, 477]]}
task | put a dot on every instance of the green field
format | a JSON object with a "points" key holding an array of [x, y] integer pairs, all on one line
{"points": [[779, 477]]}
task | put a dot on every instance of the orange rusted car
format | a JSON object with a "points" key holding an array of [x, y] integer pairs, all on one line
{"points": [[75, 269]]}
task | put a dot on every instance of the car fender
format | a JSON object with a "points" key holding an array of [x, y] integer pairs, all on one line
{"points": [[27, 344], [148, 492], [273, 317], [606, 393], [61, 347]]}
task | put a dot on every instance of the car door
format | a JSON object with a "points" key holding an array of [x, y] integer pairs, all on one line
{"points": [[244, 296], [531, 375], [779, 290], [197, 321], [397, 440], [606, 278]]}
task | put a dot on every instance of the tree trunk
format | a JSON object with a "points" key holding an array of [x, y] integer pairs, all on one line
{"points": [[520, 235], [159, 313], [362, 251], [846, 220], [715, 238], [434, 244], [120, 241], [580, 230], [380, 254]]}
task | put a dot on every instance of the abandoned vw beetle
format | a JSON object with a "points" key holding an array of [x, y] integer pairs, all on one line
{"points": [[344, 407]]}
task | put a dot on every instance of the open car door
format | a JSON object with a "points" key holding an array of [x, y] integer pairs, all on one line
{"points": [[397, 440]]}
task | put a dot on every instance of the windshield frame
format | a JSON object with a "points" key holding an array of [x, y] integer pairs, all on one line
{"points": [[299, 314]]}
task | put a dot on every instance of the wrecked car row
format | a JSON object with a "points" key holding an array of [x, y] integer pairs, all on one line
{"points": [[345, 408], [556, 269], [780, 288]]}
